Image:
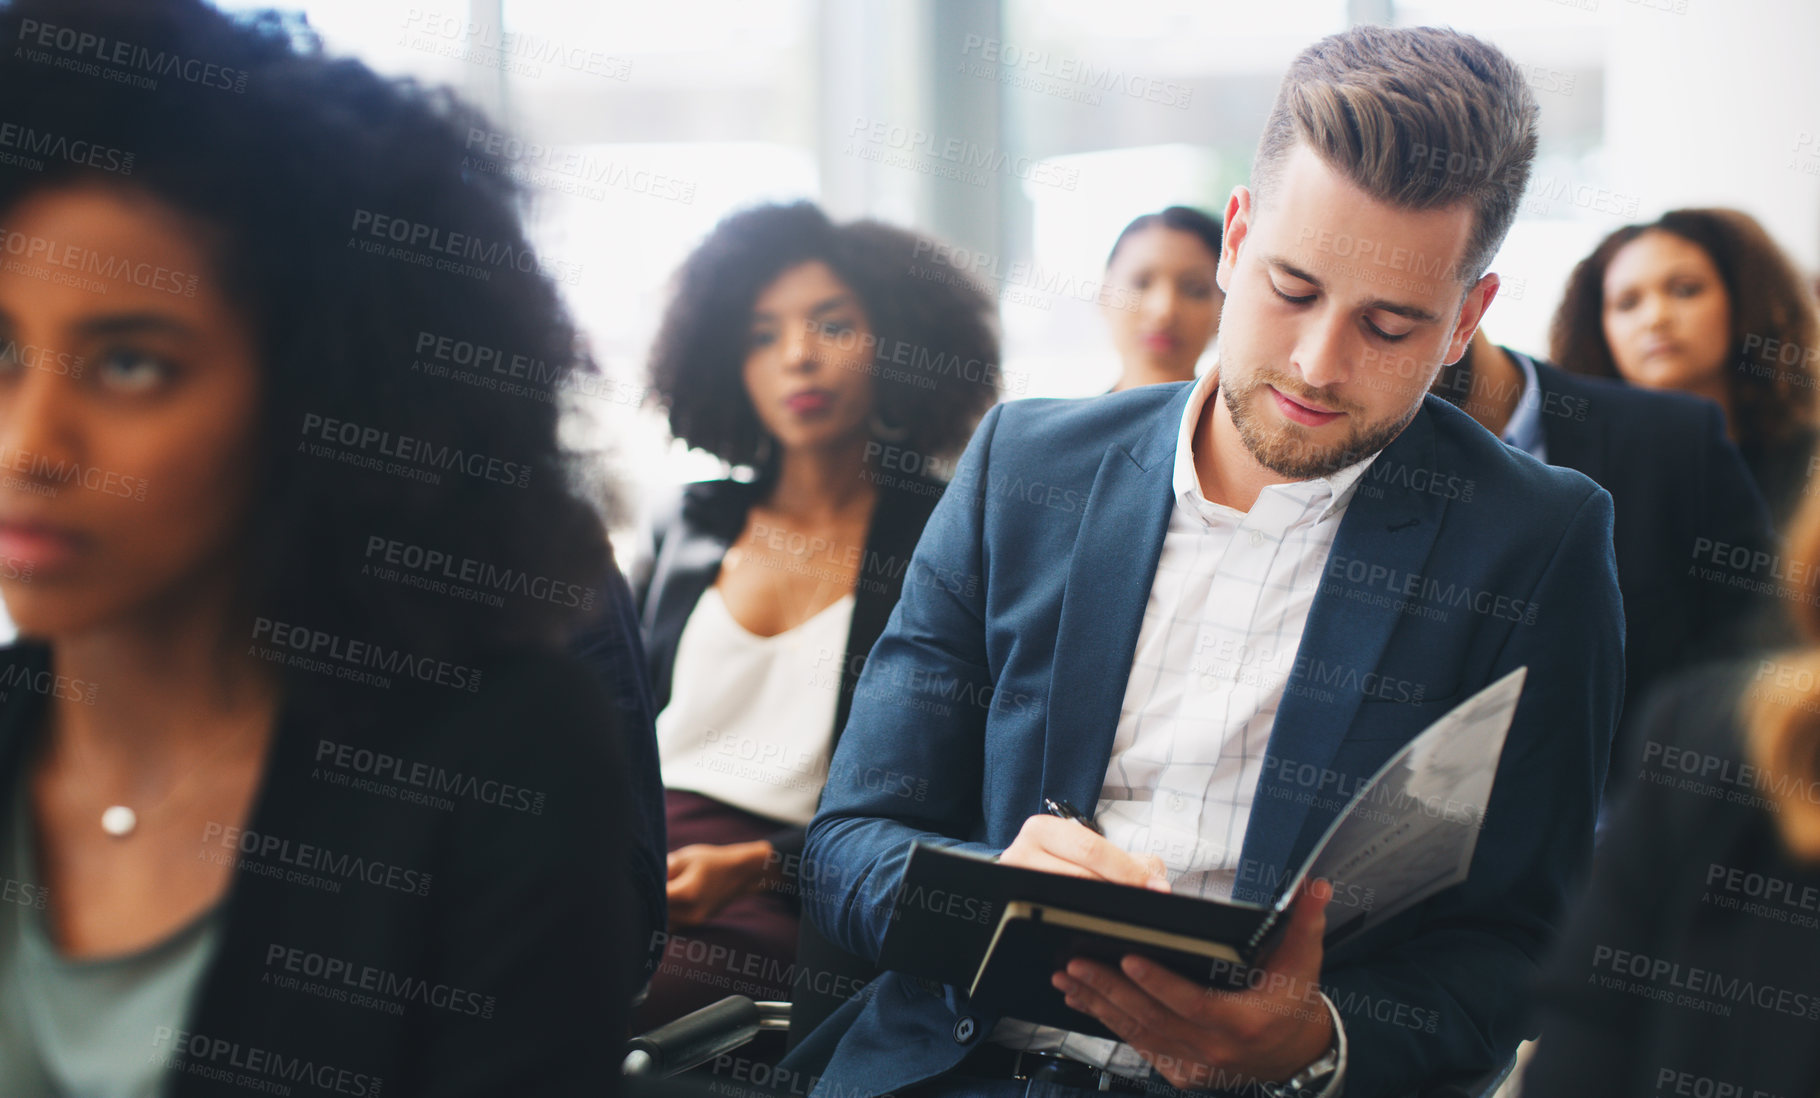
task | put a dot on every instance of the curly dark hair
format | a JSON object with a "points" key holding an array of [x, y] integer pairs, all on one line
{"points": [[937, 338], [283, 159], [1772, 308]]}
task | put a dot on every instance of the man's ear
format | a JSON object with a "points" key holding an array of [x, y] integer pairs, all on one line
{"points": [[1472, 310], [1232, 235]]}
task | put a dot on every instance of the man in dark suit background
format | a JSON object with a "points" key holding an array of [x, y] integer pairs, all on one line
{"points": [[1684, 503], [1175, 603]]}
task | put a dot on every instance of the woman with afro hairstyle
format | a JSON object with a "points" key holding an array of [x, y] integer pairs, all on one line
{"points": [[844, 373]]}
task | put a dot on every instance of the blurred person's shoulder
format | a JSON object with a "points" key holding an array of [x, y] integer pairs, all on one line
{"points": [[1701, 706], [1691, 727], [1668, 416], [1698, 788], [1495, 470], [534, 708], [528, 728]]}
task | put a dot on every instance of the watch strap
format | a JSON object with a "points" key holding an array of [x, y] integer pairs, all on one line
{"points": [[1318, 1077]]}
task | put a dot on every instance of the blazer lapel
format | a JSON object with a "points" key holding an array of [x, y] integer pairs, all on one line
{"points": [[687, 565], [1109, 577], [1395, 529]]}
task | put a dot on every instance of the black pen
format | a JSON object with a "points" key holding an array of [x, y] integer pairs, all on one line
{"points": [[1068, 812]]}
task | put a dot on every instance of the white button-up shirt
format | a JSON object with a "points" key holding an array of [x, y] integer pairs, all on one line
{"points": [[1221, 628]]}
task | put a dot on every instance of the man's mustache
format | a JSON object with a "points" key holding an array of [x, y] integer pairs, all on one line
{"points": [[1293, 389]]}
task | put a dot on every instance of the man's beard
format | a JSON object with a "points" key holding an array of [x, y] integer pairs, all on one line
{"points": [[1288, 451]]}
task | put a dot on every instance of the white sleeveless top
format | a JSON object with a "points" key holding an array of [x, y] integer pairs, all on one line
{"points": [[751, 719]]}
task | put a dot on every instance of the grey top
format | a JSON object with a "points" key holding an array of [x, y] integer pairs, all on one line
{"points": [[84, 1027]]}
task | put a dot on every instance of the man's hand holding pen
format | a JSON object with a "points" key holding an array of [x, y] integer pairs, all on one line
{"points": [[1064, 841], [1189, 1033]]}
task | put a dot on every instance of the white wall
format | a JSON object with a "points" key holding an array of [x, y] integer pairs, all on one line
{"points": [[1706, 107]]}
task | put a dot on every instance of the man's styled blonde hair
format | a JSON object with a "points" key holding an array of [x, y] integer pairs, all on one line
{"points": [[1419, 118]]}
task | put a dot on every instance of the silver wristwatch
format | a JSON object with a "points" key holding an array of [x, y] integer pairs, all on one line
{"points": [[1311, 1079], [1320, 1075]]}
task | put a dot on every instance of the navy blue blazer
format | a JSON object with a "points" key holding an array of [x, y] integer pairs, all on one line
{"points": [[999, 678]]}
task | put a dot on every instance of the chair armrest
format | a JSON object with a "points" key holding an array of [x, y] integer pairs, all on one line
{"points": [[698, 1037]]}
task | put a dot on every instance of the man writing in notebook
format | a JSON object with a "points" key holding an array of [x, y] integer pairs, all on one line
{"points": [[1206, 612]]}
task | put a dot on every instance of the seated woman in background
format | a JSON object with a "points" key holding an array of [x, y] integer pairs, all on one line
{"points": [[1689, 964], [1704, 301], [291, 795], [1161, 301], [804, 351]]}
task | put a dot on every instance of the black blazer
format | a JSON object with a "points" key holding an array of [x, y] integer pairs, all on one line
{"points": [[690, 543], [1677, 485], [1679, 881], [489, 926], [691, 540]]}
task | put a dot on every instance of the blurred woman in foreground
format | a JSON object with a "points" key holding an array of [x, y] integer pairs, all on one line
{"points": [[300, 790]]}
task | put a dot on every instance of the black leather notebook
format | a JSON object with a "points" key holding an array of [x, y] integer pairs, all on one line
{"points": [[1000, 931], [1034, 941]]}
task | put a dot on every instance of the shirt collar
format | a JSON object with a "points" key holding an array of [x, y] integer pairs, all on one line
{"points": [[1333, 491], [1524, 431]]}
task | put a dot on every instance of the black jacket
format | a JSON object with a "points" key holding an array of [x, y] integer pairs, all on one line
{"points": [[609, 647], [689, 544], [691, 540], [486, 926], [1689, 964], [1781, 472], [1679, 492]]}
